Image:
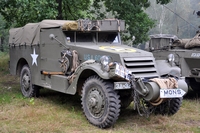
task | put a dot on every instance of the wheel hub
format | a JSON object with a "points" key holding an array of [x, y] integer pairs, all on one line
{"points": [[96, 103], [26, 81], [92, 102]]}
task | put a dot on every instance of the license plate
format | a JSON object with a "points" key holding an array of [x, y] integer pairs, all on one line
{"points": [[122, 85], [171, 93]]}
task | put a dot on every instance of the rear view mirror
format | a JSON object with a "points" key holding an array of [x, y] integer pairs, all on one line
{"points": [[52, 36]]}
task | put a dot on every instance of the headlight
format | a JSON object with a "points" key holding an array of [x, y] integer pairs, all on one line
{"points": [[105, 60], [171, 58]]}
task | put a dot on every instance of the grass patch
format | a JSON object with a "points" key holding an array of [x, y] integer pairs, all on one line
{"points": [[9, 85], [4, 63], [57, 112]]}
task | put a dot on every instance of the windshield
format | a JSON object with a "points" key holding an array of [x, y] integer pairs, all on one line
{"points": [[100, 37], [108, 37]]}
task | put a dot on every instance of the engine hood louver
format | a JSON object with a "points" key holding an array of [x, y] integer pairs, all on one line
{"points": [[141, 66]]}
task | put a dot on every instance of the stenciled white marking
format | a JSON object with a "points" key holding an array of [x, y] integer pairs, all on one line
{"points": [[34, 56]]}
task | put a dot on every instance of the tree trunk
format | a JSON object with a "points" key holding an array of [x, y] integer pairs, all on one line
{"points": [[59, 8]]}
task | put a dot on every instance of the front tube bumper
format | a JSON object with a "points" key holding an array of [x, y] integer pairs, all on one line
{"points": [[154, 89]]}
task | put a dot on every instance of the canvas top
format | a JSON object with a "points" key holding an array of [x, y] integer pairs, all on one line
{"points": [[29, 34]]}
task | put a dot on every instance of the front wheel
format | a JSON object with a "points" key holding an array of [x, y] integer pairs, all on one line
{"points": [[100, 103], [27, 88]]}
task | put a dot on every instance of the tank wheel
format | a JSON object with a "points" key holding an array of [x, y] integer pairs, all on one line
{"points": [[27, 88], [169, 107], [100, 103]]}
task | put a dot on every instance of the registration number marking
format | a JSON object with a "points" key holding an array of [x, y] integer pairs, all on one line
{"points": [[122, 85]]}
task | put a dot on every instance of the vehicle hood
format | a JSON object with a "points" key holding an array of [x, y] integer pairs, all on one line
{"points": [[139, 62], [120, 50]]}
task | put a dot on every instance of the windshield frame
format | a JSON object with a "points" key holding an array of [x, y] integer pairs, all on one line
{"points": [[93, 37]]}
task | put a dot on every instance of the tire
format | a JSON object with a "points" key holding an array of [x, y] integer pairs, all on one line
{"points": [[125, 101], [100, 103], [27, 88], [193, 84], [170, 107]]}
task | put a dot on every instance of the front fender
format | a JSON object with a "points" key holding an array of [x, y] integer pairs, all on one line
{"points": [[164, 68], [89, 65]]}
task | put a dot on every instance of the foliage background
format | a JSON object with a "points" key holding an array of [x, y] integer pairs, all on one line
{"points": [[3, 35], [17, 13], [177, 17], [142, 17]]}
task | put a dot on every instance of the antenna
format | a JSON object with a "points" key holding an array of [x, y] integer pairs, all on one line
{"points": [[181, 17]]}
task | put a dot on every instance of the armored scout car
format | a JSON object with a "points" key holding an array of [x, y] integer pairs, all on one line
{"points": [[184, 53], [88, 58]]}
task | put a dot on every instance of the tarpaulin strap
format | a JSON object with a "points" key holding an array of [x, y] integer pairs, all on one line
{"points": [[75, 60], [98, 25], [118, 23], [71, 78], [64, 63], [81, 26]]}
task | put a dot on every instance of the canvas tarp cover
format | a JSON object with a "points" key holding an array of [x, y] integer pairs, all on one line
{"points": [[188, 43], [30, 33]]}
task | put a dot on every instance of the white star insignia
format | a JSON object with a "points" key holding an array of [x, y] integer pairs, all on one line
{"points": [[34, 56]]}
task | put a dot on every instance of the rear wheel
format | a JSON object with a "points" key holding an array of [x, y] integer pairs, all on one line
{"points": [[27, 88], [169, 107], [100, 103], [193, 84]]}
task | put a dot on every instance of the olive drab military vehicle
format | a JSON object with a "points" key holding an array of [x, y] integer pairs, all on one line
{"points": [[184, 53], [88, 58]]}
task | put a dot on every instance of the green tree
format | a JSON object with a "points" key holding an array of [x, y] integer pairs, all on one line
{"points": [[132, 11], [3, 35], [20, 12]]}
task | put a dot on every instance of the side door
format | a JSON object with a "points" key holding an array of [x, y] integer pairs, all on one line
{"points": [[51, 50]]}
